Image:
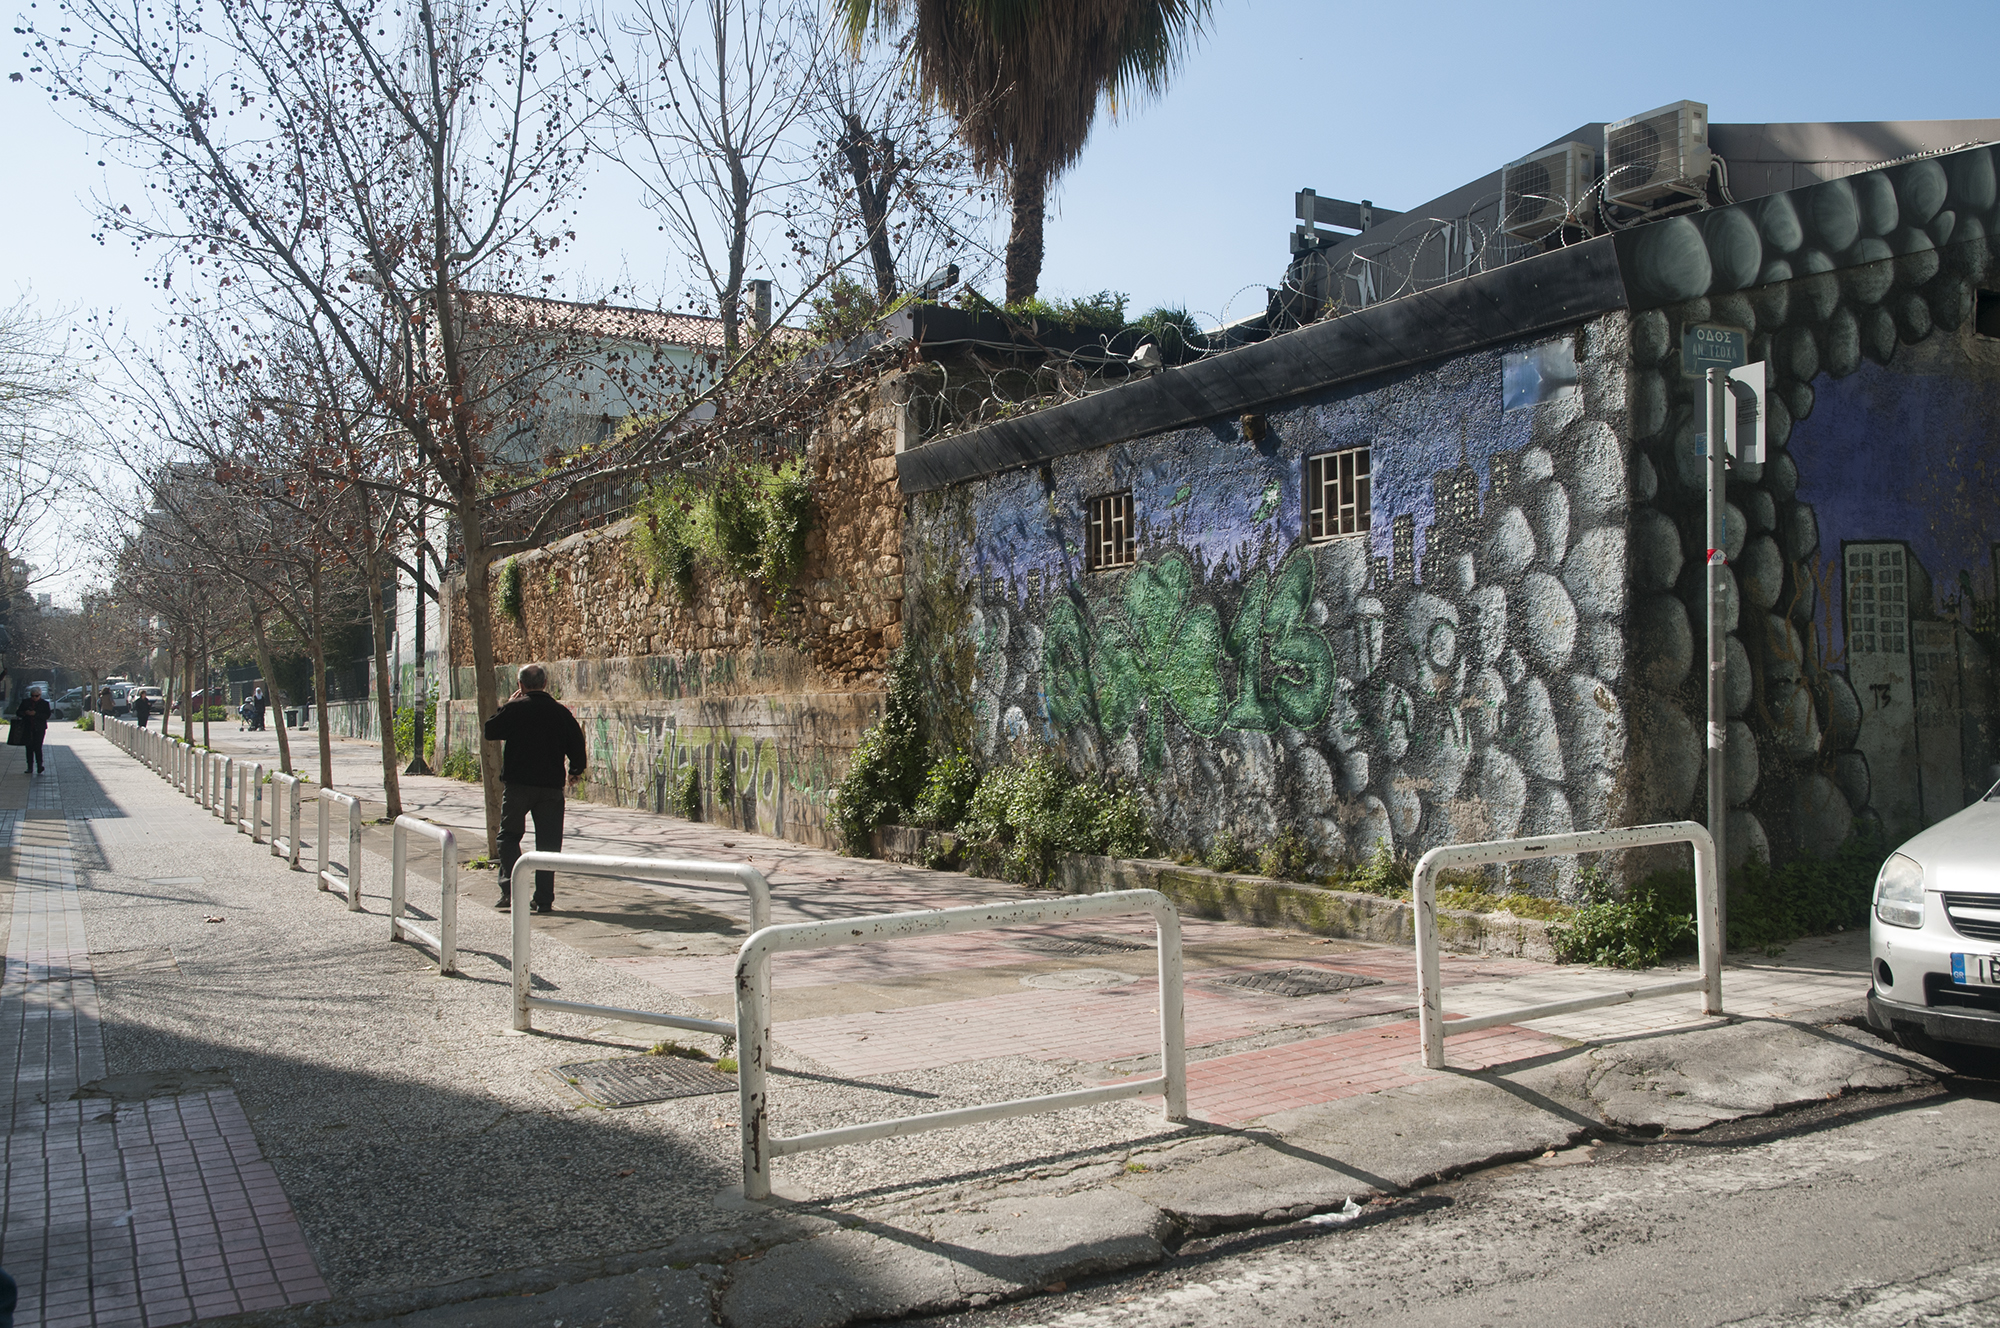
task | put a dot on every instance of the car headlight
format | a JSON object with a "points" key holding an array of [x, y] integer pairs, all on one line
{"points": [[1899, 892]]}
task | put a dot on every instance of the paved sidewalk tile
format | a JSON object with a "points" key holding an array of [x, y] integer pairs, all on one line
{"points": [[1229, 1090], [117, 1213]]}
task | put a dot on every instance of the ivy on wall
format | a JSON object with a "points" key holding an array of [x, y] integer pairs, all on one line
{"points": [[745, 520]]}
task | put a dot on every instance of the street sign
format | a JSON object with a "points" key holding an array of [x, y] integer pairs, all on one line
{"points": [[1743, 422], [1706, 346]]}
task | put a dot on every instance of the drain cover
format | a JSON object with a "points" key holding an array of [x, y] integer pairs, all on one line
{"points": [[1082, 945], [631, 1081], [1297, 982]]}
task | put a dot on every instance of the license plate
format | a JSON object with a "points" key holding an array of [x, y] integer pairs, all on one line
{"points": [[1975, 970]]}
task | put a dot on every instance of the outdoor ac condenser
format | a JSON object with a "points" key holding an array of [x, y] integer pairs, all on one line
{"points": [[1659, 155], [1544, 189]]}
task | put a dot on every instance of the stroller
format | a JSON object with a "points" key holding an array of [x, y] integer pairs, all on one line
{"points": [[243, 716]]}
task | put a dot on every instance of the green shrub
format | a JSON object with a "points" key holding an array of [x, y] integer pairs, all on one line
{"points": [[213, 713], [461, 764], [687, 792], [748, 520], [1173, 330], [1382, 874], [86, 721], [1284, 858], [667, 534], [947, 792], [886, 772], [1225, 854], [1102, 312], [406, 730], [725, 777], [1652, 922], [1040, 808], [508, 594]]}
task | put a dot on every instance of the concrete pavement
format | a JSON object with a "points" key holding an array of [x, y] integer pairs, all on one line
{"points": [[441, 1169]]}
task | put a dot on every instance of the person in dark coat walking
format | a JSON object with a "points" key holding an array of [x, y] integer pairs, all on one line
{"points": [[33, 717], [258, 704], [540, 733], [142, 707]]}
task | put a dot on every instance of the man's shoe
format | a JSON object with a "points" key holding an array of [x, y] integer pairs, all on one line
{"points": [[539, 907], [505, 905]]}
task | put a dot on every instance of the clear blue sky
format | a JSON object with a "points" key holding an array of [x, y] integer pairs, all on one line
{"points": [[1188, 200]]}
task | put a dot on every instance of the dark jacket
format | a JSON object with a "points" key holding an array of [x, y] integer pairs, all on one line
{"points": [[34, 716], [539, 732]]}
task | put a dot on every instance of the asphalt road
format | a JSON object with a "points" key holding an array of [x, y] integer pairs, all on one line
{"points": [[1872, 1211]]}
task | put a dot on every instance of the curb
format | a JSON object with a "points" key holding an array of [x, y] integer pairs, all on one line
{"points": [[1260, 901]]}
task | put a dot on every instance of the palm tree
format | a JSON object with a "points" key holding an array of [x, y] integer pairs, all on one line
{"points": [[1022, 78]]}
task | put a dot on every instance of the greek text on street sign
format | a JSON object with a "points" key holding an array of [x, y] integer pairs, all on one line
{"points": [[1705, 346]]}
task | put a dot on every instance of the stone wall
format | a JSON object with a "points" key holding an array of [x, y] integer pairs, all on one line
{"points": [[762, 697]]}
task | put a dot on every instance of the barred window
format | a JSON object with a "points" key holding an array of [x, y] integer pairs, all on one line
{"points": [[1113, 537], [1336, 492]]}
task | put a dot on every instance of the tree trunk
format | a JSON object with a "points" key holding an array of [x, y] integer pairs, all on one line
{"points": [[1028, 190], [187, 692], [871, 192], [319, 706], [479, 623], [447, 683], [274, 709], [207, 672], [385, 705]]}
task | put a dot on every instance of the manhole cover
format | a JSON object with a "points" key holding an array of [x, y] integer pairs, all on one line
{"points": [[631, 1081], [1297, 982], [1082, 945], [1078, 979]]}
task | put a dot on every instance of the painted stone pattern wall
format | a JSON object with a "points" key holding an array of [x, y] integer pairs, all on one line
{"points": [[1862, 552], [1453, 674], [765, 700]]}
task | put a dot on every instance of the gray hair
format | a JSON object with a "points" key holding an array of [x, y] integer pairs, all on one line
{"points": [[534, 678]]}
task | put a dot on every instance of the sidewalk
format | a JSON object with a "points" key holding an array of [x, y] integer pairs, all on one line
{"points": [[430, 1159]]}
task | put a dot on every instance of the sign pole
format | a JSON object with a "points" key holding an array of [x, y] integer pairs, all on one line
{"points": [[1720, 404]]}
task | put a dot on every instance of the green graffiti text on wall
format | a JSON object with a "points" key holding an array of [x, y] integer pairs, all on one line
{"points": [[1156, 651]]}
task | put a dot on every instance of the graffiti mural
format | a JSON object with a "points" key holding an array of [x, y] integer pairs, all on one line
{"points": [[1863, 551], [1452, 673]]}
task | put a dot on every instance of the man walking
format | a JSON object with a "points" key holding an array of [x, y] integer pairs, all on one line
{"points": [[258, 702], [540, 733], [32, 715], [142, 707]]}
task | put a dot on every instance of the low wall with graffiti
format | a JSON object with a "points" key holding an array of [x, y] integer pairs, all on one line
{"points": [[765, 763], [1452, 671]]}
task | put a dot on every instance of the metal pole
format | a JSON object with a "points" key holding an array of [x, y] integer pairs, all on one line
{"points": [[753, 1022], [1719, 402]]}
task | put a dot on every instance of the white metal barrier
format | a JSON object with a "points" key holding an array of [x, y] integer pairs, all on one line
{"points": [[1432, 1025], [753, 1019], [250, 801], [445, 942], [290, 840], [350, 883], [644, 869], [225, 786]]}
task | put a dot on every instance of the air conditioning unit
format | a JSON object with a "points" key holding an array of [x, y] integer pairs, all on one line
{"points": [[1660, 155], [1545, 189]]}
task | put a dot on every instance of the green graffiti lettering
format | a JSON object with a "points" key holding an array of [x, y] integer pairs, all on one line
{"points": [[1285, 670]]}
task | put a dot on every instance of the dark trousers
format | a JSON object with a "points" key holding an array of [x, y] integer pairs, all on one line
{"points": [[34, 746], [517, 803]]}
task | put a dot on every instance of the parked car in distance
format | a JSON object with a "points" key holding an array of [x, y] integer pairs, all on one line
{"points": [[1934, 933], [70, 704]]}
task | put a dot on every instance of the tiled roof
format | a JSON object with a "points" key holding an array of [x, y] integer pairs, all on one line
{"points": [[604, 320]]}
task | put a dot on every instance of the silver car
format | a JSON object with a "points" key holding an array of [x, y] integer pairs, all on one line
{"points": [[1935, 933]]}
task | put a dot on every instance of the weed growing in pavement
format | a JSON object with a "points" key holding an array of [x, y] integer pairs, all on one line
{"points": [[672, 1048], [725, 1065], [463, 765]]}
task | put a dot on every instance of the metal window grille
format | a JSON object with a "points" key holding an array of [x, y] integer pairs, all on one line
{"points": [[1113, 540], [1337, 494]]}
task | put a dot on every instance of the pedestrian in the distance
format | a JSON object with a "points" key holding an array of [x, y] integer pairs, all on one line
{"points": [[31, 724], [540, 734], [142, 707], [258, 703]]}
